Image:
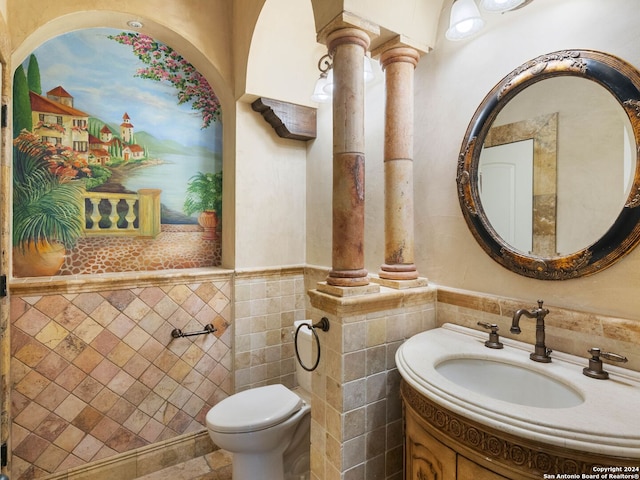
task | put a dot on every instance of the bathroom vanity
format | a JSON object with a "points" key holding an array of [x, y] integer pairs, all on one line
{"points": [[473, 412]]}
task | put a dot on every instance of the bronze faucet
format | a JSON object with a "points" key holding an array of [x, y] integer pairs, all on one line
{"points": [[541, 352]]}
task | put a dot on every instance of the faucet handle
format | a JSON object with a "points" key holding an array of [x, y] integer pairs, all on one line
{"points": [[614, 357], [489, 326], [494, 338], [595, 370]]}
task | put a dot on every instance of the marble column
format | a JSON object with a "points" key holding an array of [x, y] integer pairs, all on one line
{"points": [[348, 47], [399, 63]]}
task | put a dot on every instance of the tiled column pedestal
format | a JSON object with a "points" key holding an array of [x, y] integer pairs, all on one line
{"points": [[356, 431]]}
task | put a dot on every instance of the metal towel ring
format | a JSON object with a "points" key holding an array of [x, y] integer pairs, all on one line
{"points": [[323, 324]]}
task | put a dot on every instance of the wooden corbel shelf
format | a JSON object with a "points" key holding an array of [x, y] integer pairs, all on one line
{"points": [[296, 122]]}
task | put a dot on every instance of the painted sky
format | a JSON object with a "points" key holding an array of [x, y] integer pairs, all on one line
{"points": [[99, 74]]}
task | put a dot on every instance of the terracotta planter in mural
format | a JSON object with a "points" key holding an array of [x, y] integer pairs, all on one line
{"points": [[209, 221], [41, 260]]}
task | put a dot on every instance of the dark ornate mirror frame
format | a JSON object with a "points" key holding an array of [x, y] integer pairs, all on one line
{"points": [[622, 80]]}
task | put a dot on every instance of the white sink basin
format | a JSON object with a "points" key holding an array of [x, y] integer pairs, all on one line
{"points": [[552, 403], [509, 383]]}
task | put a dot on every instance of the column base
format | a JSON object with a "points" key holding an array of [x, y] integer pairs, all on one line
{"points": [[348, 278], [398, 272], [401, 284], [337, 291]]}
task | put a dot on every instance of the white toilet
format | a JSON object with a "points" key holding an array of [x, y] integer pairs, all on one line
{"points": [[267, 429]]}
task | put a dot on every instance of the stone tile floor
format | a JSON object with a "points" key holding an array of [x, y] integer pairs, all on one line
{"points": [[212, 466]]}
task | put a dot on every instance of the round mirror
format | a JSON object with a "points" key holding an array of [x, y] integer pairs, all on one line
{"points": [[548, 174]]}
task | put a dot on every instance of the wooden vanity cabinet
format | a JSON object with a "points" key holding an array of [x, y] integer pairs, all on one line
{"points": [[442, 445], [470, 470], [426, 458]]}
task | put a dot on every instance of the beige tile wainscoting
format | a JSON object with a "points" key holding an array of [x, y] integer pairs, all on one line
{"points": [[99, 385], [356, 427], [267, 302], [567, 330], [96, 373]]}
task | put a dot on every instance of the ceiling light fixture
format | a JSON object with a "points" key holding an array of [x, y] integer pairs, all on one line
{"points": [[465, 20], [500, 6], [135, 23]]}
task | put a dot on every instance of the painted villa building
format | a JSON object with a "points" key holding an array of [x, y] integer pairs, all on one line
{"points": [[58, 122]]}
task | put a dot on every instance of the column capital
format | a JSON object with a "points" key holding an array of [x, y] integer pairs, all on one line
{"points": [[347, 20], [399, 54], [351, 36], [400, 41]]}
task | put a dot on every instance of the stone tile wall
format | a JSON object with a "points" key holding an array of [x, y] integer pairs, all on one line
{"points": [[356, 409], [267, 302], [568, 331], [96, 372]]}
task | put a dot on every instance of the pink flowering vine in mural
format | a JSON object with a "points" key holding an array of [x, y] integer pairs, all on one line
{"points": [[63, 162], [166, 65], [50, 126]]}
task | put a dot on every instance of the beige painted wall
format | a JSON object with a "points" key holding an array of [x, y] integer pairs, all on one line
{"points": [[450, 83], [284, 66], [199, 29], [270, 171], [270, 187]]}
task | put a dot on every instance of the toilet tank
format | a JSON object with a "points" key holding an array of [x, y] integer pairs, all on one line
{"points": [[305, 350]]}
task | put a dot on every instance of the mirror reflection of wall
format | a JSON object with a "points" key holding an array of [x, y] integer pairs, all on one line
{"points": [[535, 172], [505, 177], [594, 155]]}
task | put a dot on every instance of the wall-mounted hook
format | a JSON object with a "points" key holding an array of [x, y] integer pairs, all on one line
{"points": [[323, 324]]}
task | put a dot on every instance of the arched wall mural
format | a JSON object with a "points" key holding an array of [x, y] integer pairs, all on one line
{"points": [[117, 158]]}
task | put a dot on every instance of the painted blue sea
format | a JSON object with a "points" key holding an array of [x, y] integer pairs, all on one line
{"points": [[171, 177]]}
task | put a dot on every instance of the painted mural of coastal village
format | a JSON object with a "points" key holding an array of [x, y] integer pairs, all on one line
{"points": [[96, 195]]}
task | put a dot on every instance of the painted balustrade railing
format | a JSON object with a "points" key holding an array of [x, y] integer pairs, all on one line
{"points": [[128, 214]]}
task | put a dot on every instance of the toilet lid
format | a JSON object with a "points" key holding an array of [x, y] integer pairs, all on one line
{"points": [[253, 410]]}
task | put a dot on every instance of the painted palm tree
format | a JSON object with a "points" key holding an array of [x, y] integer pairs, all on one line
{"points": [[46, 205], [204, 195]]}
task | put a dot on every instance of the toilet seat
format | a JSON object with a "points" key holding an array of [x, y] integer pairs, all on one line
{"points": [[253, 410]]}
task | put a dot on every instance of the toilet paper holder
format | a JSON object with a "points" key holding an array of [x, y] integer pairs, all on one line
{"points": [[323, 325]]}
